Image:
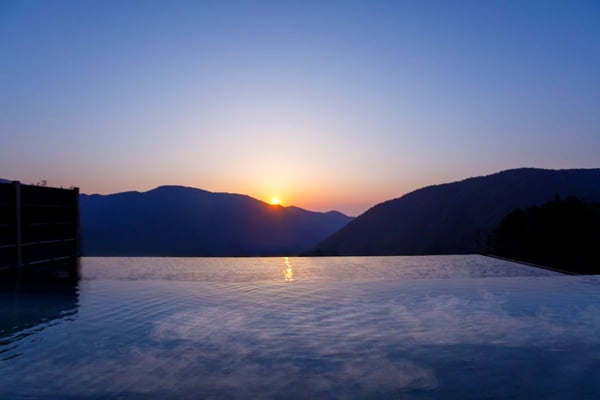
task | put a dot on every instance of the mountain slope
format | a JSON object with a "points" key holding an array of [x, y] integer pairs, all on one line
{"points": [[182, 221], [455, 217]]}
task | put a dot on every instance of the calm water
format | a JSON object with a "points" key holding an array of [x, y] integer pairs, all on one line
{"points": [[455, 327]]}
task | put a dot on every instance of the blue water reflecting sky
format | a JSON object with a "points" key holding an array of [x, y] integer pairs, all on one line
{"points": [[364, 334]]}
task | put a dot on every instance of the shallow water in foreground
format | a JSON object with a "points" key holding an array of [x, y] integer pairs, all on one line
{"points": [[456, 327]]}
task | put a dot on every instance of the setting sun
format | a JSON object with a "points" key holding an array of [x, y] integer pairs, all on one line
{"points": [[275, 201]]}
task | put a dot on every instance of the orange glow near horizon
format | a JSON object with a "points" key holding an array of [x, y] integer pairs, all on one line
{"points": [[315, 195]]}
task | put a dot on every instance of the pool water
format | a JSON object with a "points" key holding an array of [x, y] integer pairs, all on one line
{"points": [[455, 327]]}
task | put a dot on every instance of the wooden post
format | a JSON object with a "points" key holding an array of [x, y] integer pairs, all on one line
{"points": [[77, 225], [18, 223]]}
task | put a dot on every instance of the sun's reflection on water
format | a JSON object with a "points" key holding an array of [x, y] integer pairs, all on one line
{"points": [[288, 272]]}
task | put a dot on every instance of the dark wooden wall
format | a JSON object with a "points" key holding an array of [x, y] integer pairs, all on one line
{"points": [[38, 226]]}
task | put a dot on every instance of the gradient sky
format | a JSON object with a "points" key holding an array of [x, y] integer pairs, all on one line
{"points": [[326, 104]]}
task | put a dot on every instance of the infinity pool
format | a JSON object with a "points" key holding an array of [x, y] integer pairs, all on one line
{"points": [[450, 327]]}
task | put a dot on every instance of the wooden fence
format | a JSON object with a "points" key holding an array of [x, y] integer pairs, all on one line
{"points": [[39, 226]]}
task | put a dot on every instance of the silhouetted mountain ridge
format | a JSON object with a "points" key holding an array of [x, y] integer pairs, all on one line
{"points": [[184, 221], [455, 217]]}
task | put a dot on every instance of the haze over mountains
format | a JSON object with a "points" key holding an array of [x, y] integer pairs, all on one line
{"points": [[455, 217], [183, 221]]}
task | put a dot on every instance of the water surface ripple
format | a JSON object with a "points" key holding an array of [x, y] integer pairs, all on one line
{"points": [[459, 327]]}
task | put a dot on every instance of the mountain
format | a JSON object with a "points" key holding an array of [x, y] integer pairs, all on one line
{"points": [[183, 221], [455, 217]]}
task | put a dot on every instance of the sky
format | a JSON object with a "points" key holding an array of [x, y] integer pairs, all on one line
{"points": [[326, 104]]}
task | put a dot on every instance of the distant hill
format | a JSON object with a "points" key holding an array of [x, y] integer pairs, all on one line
{"points": [[455, 217], [183, 221]]}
